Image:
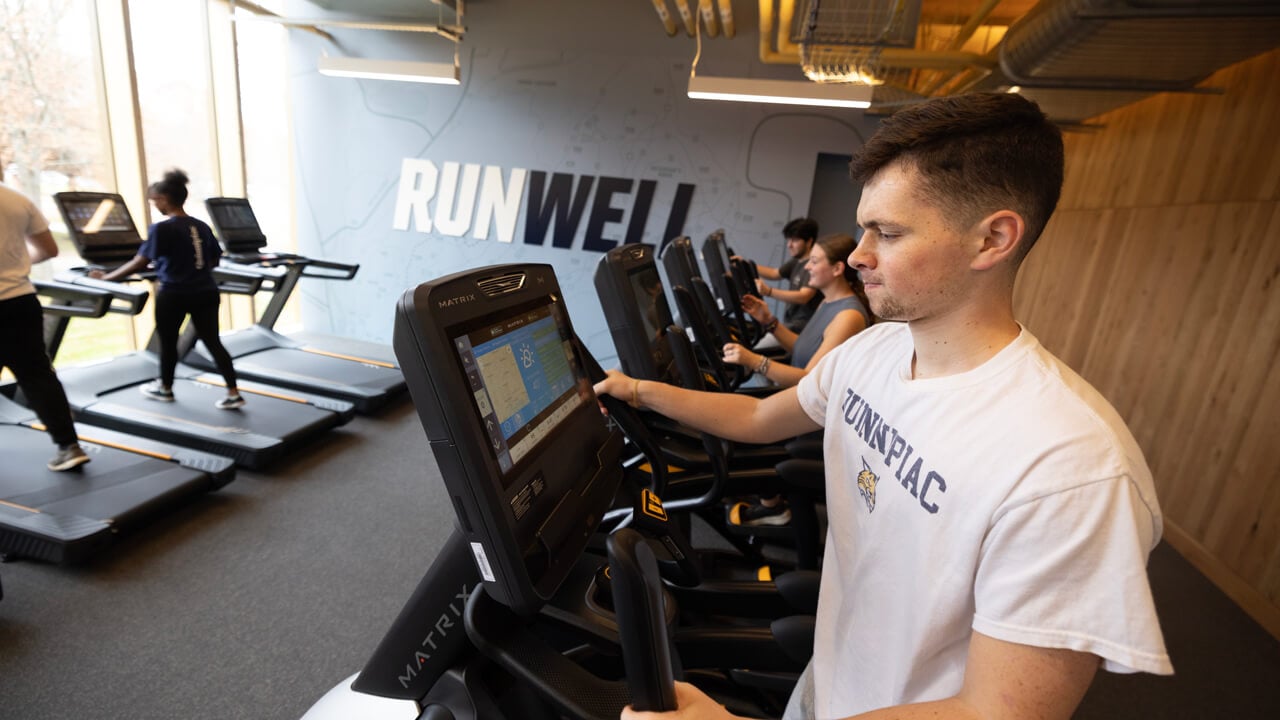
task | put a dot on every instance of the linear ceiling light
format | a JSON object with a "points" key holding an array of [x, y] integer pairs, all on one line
{"points": [[402, 70], [784, 92]]}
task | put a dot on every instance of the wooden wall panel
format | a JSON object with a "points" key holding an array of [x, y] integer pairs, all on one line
{"points": [[1158, 279], [1185, 148]]}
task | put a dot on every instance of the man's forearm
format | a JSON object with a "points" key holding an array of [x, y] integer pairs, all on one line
{"points": [[726, 415]]}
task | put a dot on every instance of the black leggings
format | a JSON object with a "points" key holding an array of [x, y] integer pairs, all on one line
{"points": [[171, 309], [22, 351]]}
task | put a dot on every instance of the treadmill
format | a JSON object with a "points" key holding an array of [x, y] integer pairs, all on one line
{"points": [[275, 420], [65, 517], [363, 374]]}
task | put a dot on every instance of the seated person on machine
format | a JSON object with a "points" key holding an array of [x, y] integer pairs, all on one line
{"points": [[841, 315], [990, 514], [801, 299]]}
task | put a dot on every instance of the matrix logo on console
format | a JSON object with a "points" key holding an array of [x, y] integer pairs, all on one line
{"points": [[449, 619], [458, 199], [450, 302]]}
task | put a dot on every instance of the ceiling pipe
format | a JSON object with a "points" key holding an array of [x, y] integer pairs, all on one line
{"points": [[726, 17], [786, 16], [686, 16], [668, 23], [975, 21], [707, 10]]}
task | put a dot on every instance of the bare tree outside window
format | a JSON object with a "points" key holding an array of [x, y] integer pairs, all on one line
{"points": [[50, 133]]}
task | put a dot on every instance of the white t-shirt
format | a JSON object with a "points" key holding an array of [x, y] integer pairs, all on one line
{"points": [[1010, 499], [19, 219]]}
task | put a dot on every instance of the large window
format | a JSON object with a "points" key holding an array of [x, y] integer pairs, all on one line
{"points": [[51, 132], [262, 52], [182, 102], [171, 64], [53, 136]]}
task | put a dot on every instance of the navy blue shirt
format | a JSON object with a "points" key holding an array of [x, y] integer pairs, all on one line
{"points": [[185, 253]]}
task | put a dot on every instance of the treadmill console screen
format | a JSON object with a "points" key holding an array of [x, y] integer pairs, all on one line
{"points": [[234, 216], [102, 215], [521, 371], [236, 225], [499, 382], [101, 227]]}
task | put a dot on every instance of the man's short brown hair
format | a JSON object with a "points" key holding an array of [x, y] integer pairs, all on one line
{"points": [[976, 154]]}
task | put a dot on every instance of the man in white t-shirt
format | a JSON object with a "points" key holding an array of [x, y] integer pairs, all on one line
{"points": [[24, 239], [990, 514]]}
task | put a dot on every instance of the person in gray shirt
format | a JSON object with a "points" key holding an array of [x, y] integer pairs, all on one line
{"points": [[841, 314], [800, 299]]}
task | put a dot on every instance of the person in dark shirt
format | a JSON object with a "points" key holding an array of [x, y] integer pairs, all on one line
{"points": [[184, 252], [801, 299]]}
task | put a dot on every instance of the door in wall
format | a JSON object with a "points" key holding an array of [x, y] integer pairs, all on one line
{"points": [[834, 200]]}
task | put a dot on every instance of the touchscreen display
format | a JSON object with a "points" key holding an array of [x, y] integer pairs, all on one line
{"points": [[234, 216], [96, 216], [524, 381]]}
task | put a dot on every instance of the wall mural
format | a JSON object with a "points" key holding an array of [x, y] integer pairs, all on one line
{"points": [[541, 155], [459, 200]]}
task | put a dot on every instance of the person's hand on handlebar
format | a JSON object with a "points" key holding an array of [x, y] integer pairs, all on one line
{"points": [[738, 355], [691, 704], [764, 288], [618, 385]]}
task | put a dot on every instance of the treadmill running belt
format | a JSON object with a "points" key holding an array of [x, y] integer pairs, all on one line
{"points": [[61, 517]]}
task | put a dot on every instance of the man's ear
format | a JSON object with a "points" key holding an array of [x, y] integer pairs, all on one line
{"points": [[1001, 235]]}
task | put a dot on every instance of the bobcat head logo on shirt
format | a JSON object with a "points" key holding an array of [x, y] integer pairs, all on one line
{"points": [[867, 485]]}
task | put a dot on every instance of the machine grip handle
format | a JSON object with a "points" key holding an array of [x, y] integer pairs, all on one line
{"points": [[642, 628]]}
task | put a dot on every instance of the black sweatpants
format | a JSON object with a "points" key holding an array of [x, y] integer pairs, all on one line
{"points": [[171, 309], [22, 351]]}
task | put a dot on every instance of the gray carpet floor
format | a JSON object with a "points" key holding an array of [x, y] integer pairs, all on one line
{"points": [[253, 601]]}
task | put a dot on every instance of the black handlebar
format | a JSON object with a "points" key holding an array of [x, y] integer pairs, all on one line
{"points": [[69, 300], [125, 300], [237, 281], [642, 629]]}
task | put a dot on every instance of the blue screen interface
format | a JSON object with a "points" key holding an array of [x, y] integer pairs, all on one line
{"points": [[523, 380]]}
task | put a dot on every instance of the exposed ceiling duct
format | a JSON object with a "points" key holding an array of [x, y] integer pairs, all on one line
{"points": [[1077, 58], [1081, 58], [1136, 45]]}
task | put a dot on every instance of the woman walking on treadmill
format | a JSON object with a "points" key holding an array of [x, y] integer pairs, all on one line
{"points": [[184, 252]]}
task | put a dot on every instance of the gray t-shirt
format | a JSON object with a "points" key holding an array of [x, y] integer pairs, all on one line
{"points": [[811, 337], [797, 316]]}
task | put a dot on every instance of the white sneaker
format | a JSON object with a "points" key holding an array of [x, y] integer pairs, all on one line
{"points": [[71, 456], [230, 402], [157, 391]]}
